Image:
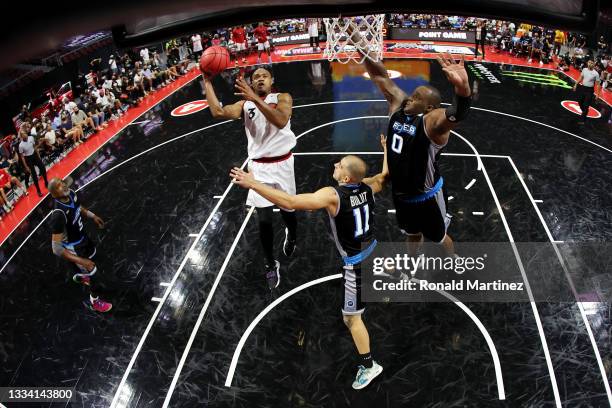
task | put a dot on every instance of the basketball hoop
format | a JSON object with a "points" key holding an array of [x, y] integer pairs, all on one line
{"points": [[354, 39]]}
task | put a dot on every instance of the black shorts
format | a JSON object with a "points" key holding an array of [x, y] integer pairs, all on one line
{"points": [[84, 249], [427, 217], [351, 285]]}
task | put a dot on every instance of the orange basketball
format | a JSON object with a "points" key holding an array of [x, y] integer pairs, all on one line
{"points": [[214, 60]]}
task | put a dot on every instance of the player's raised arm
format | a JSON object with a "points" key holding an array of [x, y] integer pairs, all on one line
{"points": [[439, 122], [379, 75], [325, 198], [233, 111], [377, 182]]}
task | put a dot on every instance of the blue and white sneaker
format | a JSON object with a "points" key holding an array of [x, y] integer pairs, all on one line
{"points": [[366, 375]]}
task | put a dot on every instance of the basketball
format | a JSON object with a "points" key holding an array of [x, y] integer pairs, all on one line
{"points": [[214, 60]]}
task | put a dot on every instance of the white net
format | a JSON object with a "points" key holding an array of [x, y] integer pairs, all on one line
{"points": [[355, 38]]}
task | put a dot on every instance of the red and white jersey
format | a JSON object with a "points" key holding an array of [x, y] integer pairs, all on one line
{"points": [[265, 139]]}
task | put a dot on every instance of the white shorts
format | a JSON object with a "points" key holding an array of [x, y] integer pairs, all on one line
{"points": [[279, 175], [263, 46], [240, 47]]}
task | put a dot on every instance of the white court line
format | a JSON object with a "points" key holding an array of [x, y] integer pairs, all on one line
{"points": [[83, 161], [215, 197], [470, 184], [172, 282], [211, 293], [538, 201], [534, 308], [484, 110], [164, 284], [477, 213], [156, 299], [108, 171], [391, 211], [536, 314], [585, 319], [271, 306]]}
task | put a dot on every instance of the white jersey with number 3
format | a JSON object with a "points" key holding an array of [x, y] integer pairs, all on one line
{"points": [[265, 139]]}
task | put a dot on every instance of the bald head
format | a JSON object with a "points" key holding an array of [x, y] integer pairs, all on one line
{"points": [[57, 188], [356, 167], [431, 95]]}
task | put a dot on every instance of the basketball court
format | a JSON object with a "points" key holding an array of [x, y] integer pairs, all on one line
{"points": [[193, 321]]}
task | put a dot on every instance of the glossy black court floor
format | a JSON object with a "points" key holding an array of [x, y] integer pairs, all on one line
{"points": [[154, 192]]}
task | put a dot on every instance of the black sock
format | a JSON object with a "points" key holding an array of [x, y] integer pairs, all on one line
{"points": [[366, 360], [266, 233], [290, 221]]}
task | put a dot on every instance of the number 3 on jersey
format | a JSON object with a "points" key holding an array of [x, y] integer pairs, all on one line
{"points": [[397, 143], [361, 227]]}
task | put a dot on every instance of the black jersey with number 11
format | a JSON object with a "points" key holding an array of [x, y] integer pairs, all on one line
{"points": [[352, 224]]}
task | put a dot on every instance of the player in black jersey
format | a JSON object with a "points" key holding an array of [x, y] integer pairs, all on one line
{"points": [[350, 207], [418, 130], [69, 241]]}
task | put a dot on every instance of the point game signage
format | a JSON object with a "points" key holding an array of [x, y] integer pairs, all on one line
{"points": [[189, 108], [291, 38], [574, 107], [430, 34]]}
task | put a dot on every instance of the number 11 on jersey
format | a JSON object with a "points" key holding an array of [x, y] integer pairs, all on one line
{"points": [[361, 227]]}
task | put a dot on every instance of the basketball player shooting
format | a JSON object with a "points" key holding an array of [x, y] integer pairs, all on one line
{"points": [[270, 140], [350, 206], [417, 132]]}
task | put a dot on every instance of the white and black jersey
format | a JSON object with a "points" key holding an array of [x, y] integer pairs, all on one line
{"points": [[411, 155], [352, 224], [66, 219]]}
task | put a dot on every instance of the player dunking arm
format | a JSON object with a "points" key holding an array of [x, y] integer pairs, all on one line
{"points": [[350, 206], [270, 141], [418, 130], [69, 241]]}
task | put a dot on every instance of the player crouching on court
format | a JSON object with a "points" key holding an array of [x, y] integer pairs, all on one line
{"points": [[350, 207], [69, 241]]}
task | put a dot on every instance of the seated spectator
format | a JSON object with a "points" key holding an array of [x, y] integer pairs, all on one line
{"points": [[563, 64], [7, 181], [52, 143], [536, 48], [139, 82], [82, 120], [70, 132]]}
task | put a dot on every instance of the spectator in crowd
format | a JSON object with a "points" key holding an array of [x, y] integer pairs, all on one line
{"points": [[313, 32], [30, 159], [81, 119], [239, 38], [585, 87], [196, 41], [216, 41], [536, 48], [481, 35], [144, 54], [8, 182], [602, 46], [560, 40], [112, 64], [261, 33], [70, 131]]}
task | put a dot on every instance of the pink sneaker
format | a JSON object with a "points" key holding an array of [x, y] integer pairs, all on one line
{"points": [[100, 305]]}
